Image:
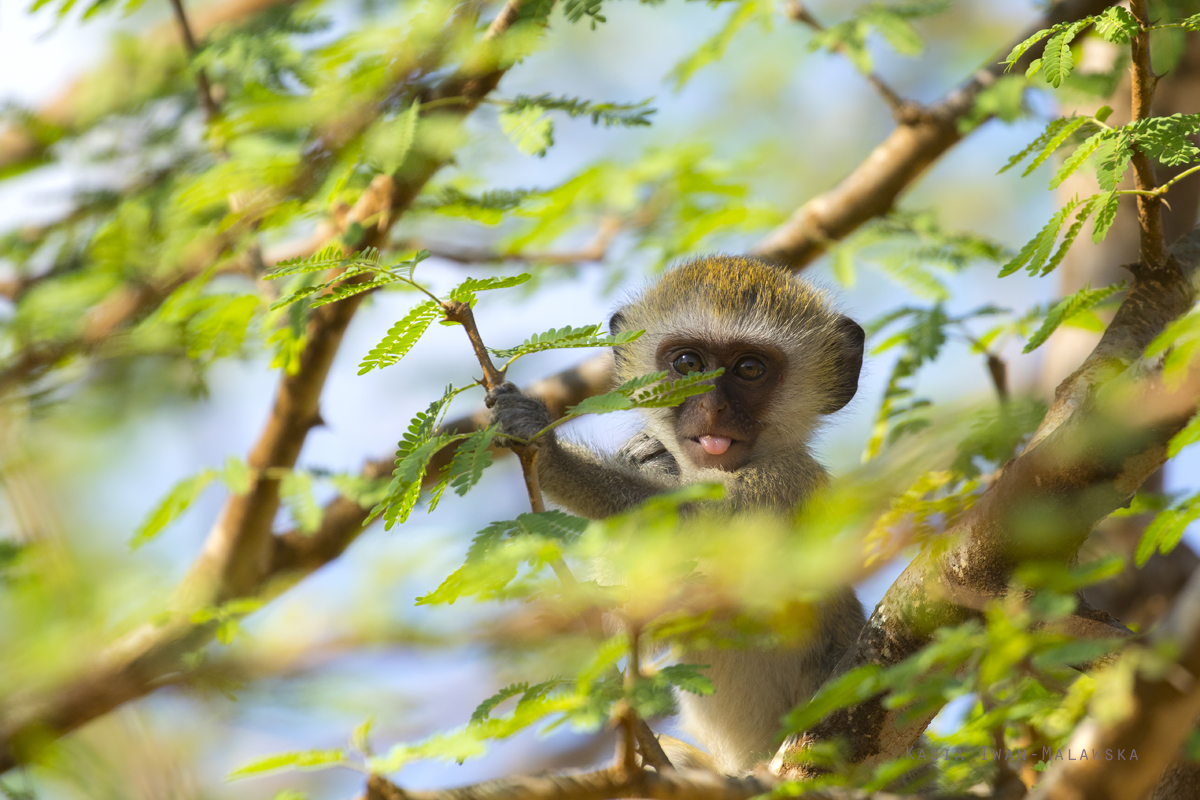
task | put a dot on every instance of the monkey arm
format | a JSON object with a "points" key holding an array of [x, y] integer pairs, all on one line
{"points": [[593, 485], [575, 476]]}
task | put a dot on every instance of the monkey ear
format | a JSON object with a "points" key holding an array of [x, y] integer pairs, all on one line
{"points": [[617, 323], [847, 363]]}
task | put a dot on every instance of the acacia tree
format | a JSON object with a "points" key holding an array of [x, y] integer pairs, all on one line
{"points": [[293, 174]]}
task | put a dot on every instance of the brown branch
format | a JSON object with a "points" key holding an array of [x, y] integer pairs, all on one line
{"points": [[211, 110], [1099, 441], [872, 187], [239, 557], [904, 111], [1164, 710], [594, 251], [689, 784], [75, 107], [1153, 244]]}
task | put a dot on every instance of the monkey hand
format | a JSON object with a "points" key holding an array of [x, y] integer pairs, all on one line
{"points": [[517, 414]]}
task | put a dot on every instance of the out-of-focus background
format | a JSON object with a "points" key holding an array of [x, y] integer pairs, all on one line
{"points": [[348, 643]]}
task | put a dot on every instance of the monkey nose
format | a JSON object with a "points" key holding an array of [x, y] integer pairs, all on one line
{"points": [[715, 445]]}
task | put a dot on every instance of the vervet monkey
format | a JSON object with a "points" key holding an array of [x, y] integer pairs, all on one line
{"points": [[789, 360]]}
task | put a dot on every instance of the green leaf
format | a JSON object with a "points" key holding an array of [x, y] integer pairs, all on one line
{"points": [[1045, 136], [299, 294], [1076, 159], [388, 142], [172, 506], [529, 129], [1072, 232], [1015, 54], [629, 115], [1056, 141], [296, 491], [688, 677], [351, 289], [236, 476], [401, 337], [896, 29], [565, 338], [712, 49], [1077, 303], [472, 457], [465, 291], [1037, 250], [1057, 61], [1167, 529], [484, 709], [331, 256], [845, 690], [1167, 139], [1112, 159], [405, 488], [1117, 25], [1105, 216], [672, 393], [1189, 435], [307, 759]]}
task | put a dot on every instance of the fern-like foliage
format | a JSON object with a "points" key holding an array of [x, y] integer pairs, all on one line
{"points": [[1115, 25], [526, 122], [1083, 300], [565, 338], [1167, 529], [647, 391], [629, 115]]}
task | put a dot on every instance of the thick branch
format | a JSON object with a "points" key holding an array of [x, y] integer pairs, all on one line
{"points": [[687, 784], [239, 556], [1164, 711], [873, 186], [1100, 440], [75, 107]]}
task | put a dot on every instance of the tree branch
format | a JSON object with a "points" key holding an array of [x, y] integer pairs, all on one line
{"points": [[211, 110], [872, 187], [239, 556], [1163, 714], [1102, 438], [904, 111], [27, 141]]}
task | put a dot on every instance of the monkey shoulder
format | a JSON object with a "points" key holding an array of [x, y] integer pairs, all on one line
{"points": [[644, 452]]}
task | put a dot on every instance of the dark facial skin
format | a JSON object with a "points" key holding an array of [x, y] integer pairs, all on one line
{"points": [[736, 404]]}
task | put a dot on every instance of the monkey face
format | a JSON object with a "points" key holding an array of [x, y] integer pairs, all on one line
{"points": [[719, 429]]}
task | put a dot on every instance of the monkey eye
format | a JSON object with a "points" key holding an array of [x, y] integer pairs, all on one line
{"points": [[749, 369], [686, 363]]}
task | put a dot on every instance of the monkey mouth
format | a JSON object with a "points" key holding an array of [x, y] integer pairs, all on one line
{"points": [[714, 445]]}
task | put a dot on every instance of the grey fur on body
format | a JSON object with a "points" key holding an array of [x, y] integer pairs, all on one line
{"points": [[734, 306], [754, 688]]}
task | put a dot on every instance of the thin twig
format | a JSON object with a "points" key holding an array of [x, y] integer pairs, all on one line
{"points": [[211, 109], [1153, 243], [594, 251], [628, 716], [527, 454], [905, 111]]}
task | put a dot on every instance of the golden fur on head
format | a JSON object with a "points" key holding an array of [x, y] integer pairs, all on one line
{"points": [[739, 299]]}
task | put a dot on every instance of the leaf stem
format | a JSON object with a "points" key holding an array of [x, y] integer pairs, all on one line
{"points": [[211, 109], [526, 452]]}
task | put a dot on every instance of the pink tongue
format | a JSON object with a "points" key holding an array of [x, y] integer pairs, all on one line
{"points": [[715, 445]]}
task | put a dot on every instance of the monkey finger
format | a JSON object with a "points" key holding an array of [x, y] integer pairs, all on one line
{"points": [[496, 391]]}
